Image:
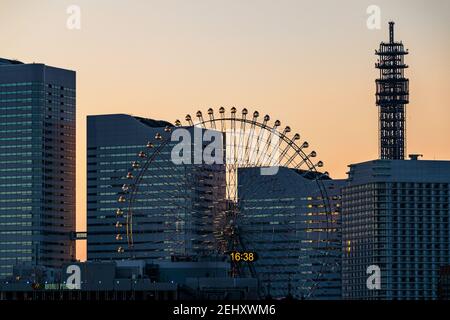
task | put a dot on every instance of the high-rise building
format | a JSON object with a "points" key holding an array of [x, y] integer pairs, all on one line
{"points": [[37, 165], [174, 206], [296, 237], [392, 95], [395, 216]]}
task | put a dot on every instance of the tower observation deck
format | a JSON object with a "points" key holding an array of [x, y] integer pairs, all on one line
{"points": [[392, 95]]}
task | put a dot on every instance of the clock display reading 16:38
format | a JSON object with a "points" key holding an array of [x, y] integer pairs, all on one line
{"points": [[246, 256]]}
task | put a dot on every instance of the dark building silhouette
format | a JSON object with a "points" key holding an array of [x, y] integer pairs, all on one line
{"points": [[129, 280], [282, 219], [392, 95], [444, 283], [37, 165]]}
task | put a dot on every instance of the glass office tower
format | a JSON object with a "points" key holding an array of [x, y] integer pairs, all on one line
{"points": [[175, 205], [37, 165], [395, 215]]}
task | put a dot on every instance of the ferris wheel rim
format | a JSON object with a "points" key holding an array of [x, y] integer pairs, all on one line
{"points": [[262, 125], [265, 127]]}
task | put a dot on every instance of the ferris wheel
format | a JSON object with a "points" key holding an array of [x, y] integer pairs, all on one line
{"points": [[264, 207]]}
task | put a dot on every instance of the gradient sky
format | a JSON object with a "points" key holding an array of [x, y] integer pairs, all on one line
{"points": [[309, 64]]}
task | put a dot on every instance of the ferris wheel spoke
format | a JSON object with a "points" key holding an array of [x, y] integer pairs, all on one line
{"points": [[223, 208], [292, 160], [273, 151], [168, 189], [255, 189], [285, 237], [267, 150], [258, 142], [283, 151], [241, 134], [175, 229], [188, 178], [250, 139], [286, 149]]}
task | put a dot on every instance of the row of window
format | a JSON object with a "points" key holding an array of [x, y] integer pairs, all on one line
{"points": [[36, 84]]}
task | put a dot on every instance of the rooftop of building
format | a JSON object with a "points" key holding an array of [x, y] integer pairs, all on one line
{"points": [[4, 61], [153, 123], [13, 63], [412, 170]]}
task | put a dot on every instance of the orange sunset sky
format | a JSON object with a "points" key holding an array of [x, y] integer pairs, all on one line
{"points": [[309, 64]]}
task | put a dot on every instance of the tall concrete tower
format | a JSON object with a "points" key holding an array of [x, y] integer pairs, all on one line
{"points": [[392, 95]]}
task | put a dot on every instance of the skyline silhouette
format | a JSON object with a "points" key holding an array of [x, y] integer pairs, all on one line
{"points": [[312, 66]]}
